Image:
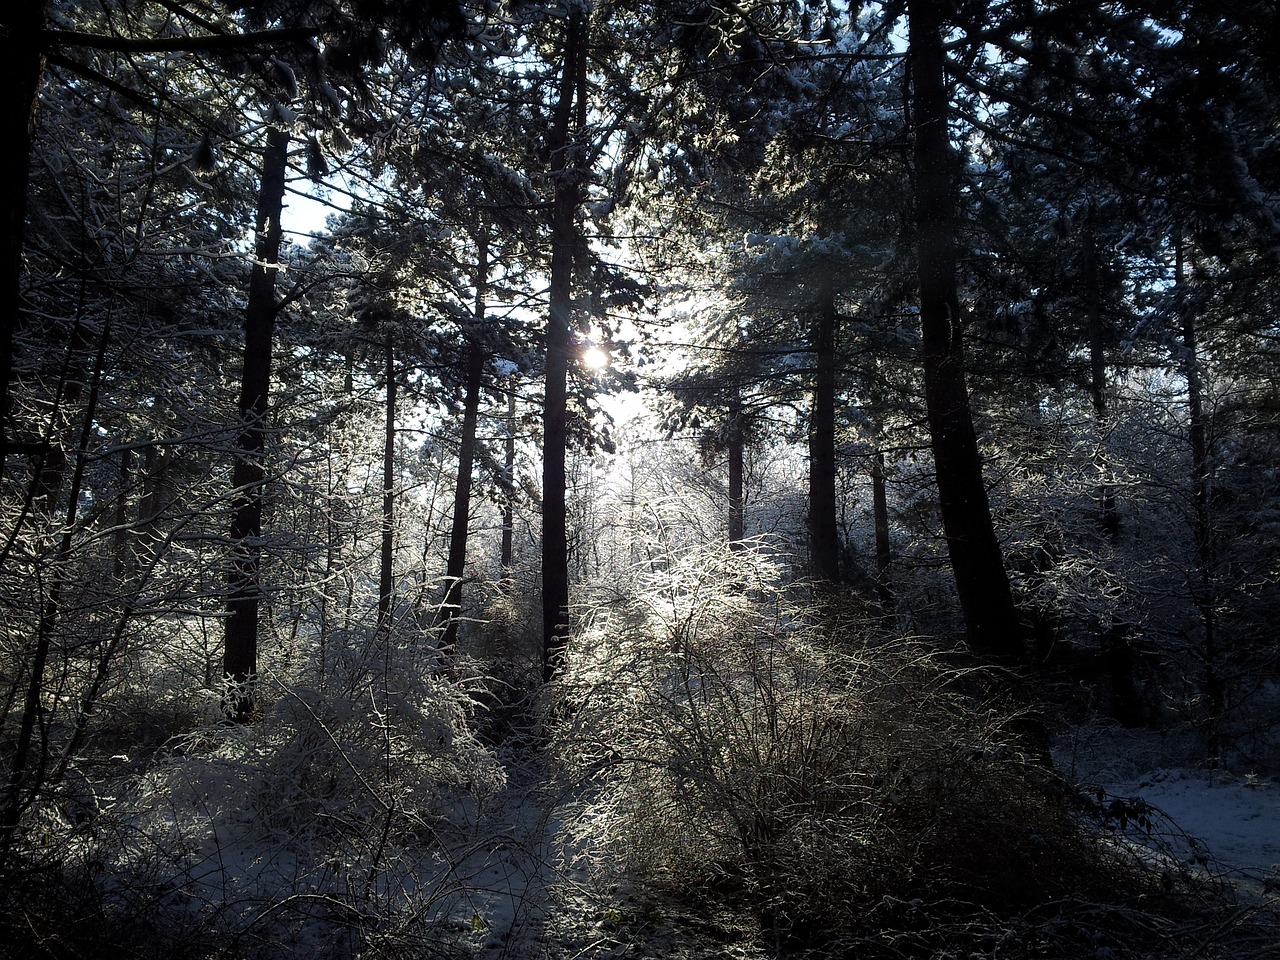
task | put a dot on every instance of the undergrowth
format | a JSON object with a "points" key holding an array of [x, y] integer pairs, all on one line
{"points": [[325, 828], [857, 796]]}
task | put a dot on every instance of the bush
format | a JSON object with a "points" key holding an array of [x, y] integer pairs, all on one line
{"points": [[315, 831], [735, 751]]}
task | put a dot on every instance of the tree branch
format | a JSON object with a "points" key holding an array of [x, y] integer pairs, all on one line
{"points": [[221, 41]]}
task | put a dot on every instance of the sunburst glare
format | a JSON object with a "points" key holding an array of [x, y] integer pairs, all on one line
{"points": [[594, 359]]}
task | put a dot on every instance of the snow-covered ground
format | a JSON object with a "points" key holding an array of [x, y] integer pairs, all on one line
{"points": [[1237, 818], [1226, 822]]}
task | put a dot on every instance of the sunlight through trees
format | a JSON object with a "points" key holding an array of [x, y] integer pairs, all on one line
{"points": [[689, 479]]}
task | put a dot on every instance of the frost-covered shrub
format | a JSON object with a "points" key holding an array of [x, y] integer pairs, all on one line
{"points": [[506, 646], [316, 768], [735, 750], [313, 763], [315, 831]]}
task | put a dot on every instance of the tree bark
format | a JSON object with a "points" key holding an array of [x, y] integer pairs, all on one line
{"points": [[737, 511], [248, 477], [123, 536], [1203, 589], [451, 607], [21, 70], [566, 178], [824, 529], [151, 502], [507, 549], [457, 566], [386, 565], [1116, 640], [884, 556], [991, 620]]}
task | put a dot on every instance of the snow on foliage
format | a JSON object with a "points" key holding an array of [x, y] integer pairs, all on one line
{"points": [[325, 814], [733, 748]]}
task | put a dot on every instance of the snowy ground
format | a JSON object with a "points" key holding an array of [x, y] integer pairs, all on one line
{"points": [[1227, 823], [520, 897]]}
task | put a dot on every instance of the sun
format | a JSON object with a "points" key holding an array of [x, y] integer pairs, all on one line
{"points": [[594, 359]]}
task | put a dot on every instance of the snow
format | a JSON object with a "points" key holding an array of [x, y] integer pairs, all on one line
{"points": [[1226, 822], [1237, 818], [782, 245], [504, 875]]}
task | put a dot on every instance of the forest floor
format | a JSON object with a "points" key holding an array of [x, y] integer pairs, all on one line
{"points": [[1225, 823], [521, 893]]}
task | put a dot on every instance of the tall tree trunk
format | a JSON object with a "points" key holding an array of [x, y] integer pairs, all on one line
{"points": [[452, 605], [1116, 640], [21, 69], [824, 528], [1109, 517], [151, 502], [991, 620], [123, 536], [567, 198], [505, 556], [1203, 589], [248, 476], [737, 512], [386, 565], [331, 534], [456, 569], [884, 557]]}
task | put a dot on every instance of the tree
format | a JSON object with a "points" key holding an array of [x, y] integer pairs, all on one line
{"points": [[724, 398], [451, 605], [26, 45], [991, 620], [22, 58], [568, 121], [249, 472], [806, 189], [1133, 144], [386, 559], [103, 275]]}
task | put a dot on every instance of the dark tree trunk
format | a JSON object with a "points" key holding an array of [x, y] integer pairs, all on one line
{"points": [[1109, 517], [884, 558], [737, 511], [991, 620], [456, 570], [151, 502], [1203, 588], [240, 656], [1116, 638], [824, 528], [21, 69], [51, 457], [564, 243], [122, 538], [452, 605], [505, 557], [386, 565]]}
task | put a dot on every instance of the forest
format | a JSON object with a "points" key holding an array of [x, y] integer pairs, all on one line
{"points": [[640, 479]]}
